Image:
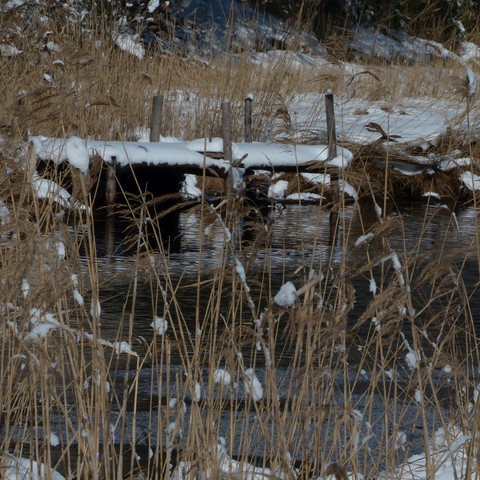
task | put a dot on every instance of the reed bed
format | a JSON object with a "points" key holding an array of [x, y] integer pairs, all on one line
{"points": [[68, 81], [305, 384], [311, 385]]}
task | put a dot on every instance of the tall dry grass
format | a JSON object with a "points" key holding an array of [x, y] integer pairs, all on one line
{"points": [[68, 81], [344, 388]]}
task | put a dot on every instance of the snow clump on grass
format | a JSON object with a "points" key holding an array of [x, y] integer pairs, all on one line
{"points": [[159, 325], [287, 295], [222, 376], [253, 386], [130, 44], [42, 324], [54, 441], [14, 468]]}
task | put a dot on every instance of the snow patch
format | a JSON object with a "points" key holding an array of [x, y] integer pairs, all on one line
{"points": [[253, 386], [42, 324], [432, 194], [48, 189], [153, 5], [54, 441], [470, 180], [348, 189], [222, 376], [287, 295], [308, 197], [159, 325], [15, 468], [78, 297], [189, 187], [363, 238], [131, 44], [9, 50], [77, 154], [123, 347], [277, 189]]}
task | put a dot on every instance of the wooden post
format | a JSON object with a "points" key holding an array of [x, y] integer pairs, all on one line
{"points": [[110, 199], [30, 169], [332, 153], [248, 119], [227, 130], [111, 187], [31, 163], [227, 144], [331, 132], [157, 113]]}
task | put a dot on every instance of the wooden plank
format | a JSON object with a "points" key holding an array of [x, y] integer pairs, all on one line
{"points": [[186, 169]]}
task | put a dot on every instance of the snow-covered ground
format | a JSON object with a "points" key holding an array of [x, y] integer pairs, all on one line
{"points": [[412, 122]]}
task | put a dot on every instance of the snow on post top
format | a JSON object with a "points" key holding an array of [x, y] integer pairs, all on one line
{"points": [[286, 296]]}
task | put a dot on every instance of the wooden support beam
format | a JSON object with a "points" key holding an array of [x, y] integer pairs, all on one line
{"points": [[111, 187], [110, 200], [332, 153], [227, 130], [157, 114], [331, 131], [248, 119], [227, 144]]}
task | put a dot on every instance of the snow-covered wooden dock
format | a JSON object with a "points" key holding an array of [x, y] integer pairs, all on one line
{"points": [[189, 157]]}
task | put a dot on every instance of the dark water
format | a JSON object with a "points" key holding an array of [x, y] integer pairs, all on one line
{"points": [[298, 242], [290, 243]]}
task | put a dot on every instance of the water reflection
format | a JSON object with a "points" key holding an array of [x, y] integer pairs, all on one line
{"points": [[289, 242]]}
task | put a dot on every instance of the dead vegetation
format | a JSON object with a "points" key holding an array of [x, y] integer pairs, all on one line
{"points": [[345, 387]]}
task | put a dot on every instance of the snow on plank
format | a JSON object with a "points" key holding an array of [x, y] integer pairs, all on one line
{"points": [[281, 156], [165, 154], [190, 155]]}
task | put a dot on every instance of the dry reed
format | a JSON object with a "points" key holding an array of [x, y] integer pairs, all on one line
{"points": [[342, 390]]}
